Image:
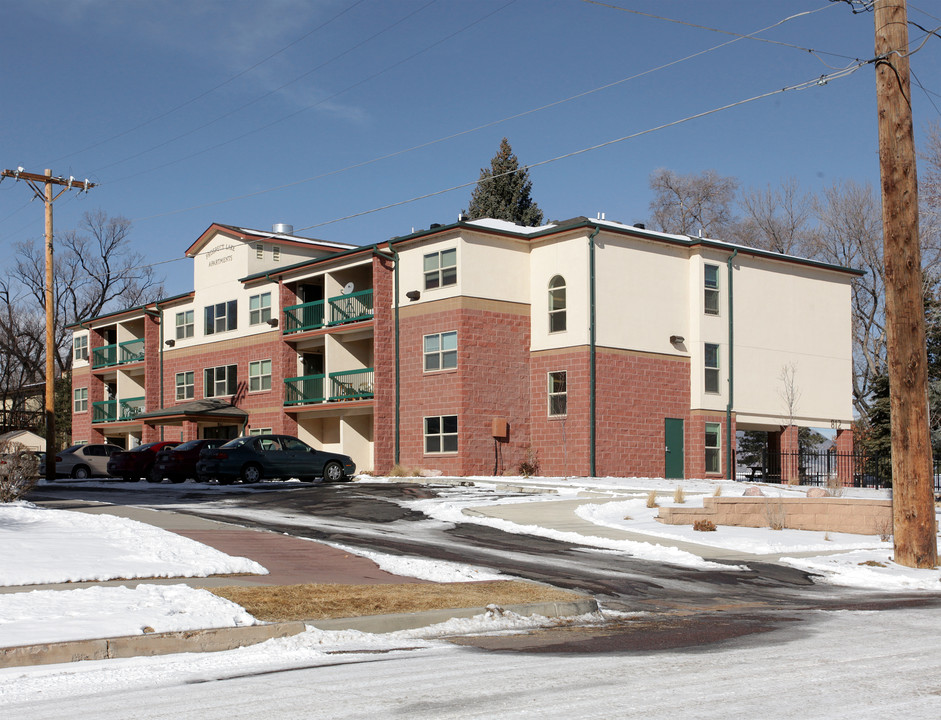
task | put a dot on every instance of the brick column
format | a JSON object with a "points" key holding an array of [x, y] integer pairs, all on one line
{"points": [[190, 431], [384, 364], [845, 460], [790, 448]]}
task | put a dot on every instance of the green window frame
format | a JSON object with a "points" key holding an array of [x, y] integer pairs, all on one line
{"points": [[440, 351], [259, 308], [440, 269], [711, 361], [185, 385], [557, 305], [558, 393], [259, 375], [711, 289], [713, 443], [441, 434], [184, 324]]}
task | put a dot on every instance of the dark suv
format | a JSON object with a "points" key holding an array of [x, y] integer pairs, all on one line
{"points": [[138, 462], [179, 463]]}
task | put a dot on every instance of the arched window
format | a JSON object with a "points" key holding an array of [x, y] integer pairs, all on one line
{"points": [[557, 304]]}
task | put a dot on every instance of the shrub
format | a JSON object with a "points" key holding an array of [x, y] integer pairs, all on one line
{"points": [[704, 526], [404, 471], [652, 499], [19, 471], [529, 465], [775, 514], [678, 495], [717, 492]]}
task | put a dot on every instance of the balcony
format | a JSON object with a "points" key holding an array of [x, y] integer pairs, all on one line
{"points": [[118, 354], [348, 385], [342, 309], [116, 410]]}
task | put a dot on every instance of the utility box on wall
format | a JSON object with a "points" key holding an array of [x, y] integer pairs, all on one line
{"points": [[501, 428]]}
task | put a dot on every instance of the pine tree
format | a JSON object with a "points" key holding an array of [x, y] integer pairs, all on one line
{"points": [[503, 191]]}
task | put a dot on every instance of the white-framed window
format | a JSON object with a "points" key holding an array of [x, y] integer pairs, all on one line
{"points": [[259, 431], [221, 317], [711, 289], [441, 434], [80, 399], [80, 347], [185, 385], [184, 324], [259, 309], [220, 381], [711, 355], [259, 251], [557, 312], [440, 269], [440, 351], [275, 253], [259, 375], [558, 394], [713, 447]]}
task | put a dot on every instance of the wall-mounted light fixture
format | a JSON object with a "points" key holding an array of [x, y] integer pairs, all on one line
{"points": [[273, 322], [413, 294], [676, 339], [170, 343]]}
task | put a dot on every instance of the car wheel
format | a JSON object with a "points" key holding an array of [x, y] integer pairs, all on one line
{"points": [[80, 472], [332, 472], [177, 479], [152, 475], [251, 473]]}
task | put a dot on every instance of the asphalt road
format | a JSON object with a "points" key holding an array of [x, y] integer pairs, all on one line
{"points": [[669, 606]]}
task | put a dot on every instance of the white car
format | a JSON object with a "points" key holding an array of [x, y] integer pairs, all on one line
{"points": [[82, 461]]}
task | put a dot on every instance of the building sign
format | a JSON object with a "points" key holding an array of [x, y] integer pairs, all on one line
{"points": [[222, 259]]}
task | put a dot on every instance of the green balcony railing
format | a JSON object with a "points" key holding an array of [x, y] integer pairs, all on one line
{"points": [[352, 307], [351, 385], [118, 354], [306, 316], [305, 389], [116, 410]]}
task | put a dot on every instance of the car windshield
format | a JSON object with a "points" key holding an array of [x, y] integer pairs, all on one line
{"points": [[71, 449], [191, 445]]}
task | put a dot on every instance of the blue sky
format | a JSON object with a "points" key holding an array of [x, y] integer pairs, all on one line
{"points": [[308, 112]]}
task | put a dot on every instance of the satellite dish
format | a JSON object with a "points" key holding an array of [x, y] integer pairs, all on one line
{"points": [[347, 289]]}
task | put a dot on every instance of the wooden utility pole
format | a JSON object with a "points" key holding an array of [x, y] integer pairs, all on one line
{"points": [[915, 531], [46, 195]]}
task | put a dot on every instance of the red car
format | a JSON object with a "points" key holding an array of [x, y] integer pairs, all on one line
{"points": [[138, 462], [179, 463]]}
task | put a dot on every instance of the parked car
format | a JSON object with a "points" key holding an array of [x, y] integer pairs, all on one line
{"points": [[179, 463], [257, 457], [82, 461], [138, 462]]}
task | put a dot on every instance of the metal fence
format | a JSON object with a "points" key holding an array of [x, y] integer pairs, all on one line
{"points": [[823, 468]]}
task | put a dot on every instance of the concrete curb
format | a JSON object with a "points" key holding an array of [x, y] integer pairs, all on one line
{"points": [[217, 639]]}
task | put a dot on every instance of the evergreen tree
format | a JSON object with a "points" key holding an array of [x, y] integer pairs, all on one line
{"points": [[503, 191]]}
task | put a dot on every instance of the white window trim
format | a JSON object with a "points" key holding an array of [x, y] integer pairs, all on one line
{"points": [[551, 395], [187, 328], [563, 311], [182, 385], [711, 368], [707, 290], [440, 352], [259, 376], [80, 400], [440, 435], [212, 394], [80, 347], [438, 271], [717, 448], [262, 313]]}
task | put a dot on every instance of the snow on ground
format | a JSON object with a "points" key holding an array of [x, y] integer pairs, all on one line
{"points": [[44, 616], [440, 571], [42, 545]]}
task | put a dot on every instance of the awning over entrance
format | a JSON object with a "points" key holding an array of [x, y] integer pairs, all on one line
{"points": [[198, 410]]}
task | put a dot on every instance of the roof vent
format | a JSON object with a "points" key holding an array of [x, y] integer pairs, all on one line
{"points": [[640, 226], [434, 226], [282, 229]]}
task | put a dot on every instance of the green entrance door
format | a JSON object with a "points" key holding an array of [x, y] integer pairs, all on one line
{"points": [[673, 453]]}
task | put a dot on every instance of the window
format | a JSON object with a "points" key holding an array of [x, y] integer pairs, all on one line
{"points": [[275, 253], [260, 431], [259, 251], [441, 269], [221, 317], [713, 447], [558, 394], [80, 347], [185, 385], [557, 304], [441, 434], [184, 325], [712, 368], [220, 381], [81, 400], [259, 375], [441, 351], [711, 283], [259, 309]]}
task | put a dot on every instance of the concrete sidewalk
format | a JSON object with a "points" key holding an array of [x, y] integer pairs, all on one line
{"points": [[289, 560]]}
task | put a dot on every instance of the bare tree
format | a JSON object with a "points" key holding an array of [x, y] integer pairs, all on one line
{"points": [[690, 204], [776, 219]]}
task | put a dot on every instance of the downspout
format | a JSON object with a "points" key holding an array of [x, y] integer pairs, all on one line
{"points": [[160, 351], [394, 259], [730, 455], [591, 351]]}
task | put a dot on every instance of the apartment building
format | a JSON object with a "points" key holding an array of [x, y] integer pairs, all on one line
{"points": [[589, 346]]}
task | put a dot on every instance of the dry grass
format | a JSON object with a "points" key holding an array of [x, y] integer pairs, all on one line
{"points": [[652, 499], [678, 495], [316, 601]]}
